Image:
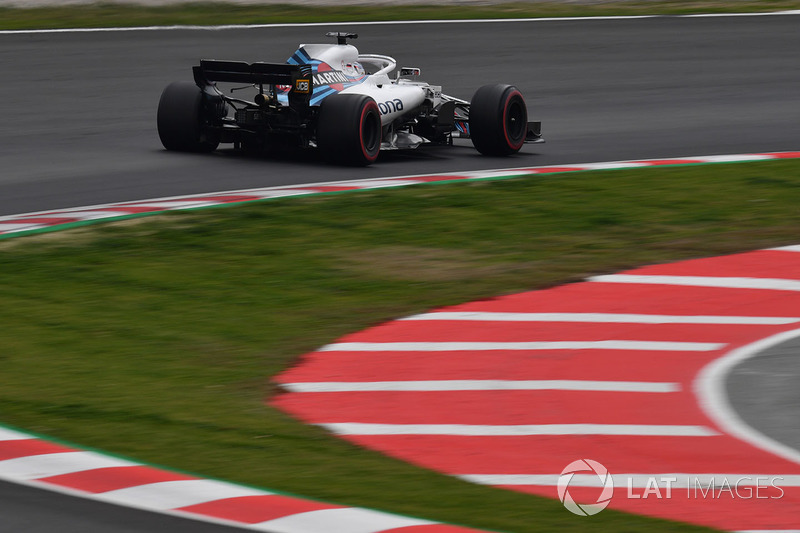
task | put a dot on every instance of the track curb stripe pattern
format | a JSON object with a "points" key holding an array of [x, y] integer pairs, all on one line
{"points": [[626, 369], [33, 461], [58, 219]]}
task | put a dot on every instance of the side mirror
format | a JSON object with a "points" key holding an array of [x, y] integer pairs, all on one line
{"points": [[409, 72]]}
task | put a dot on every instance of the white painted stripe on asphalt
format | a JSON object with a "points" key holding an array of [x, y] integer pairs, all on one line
{"points": [[774, 284], [374, 183], [466, 430], [81, 214], [388, 23], [771, 13], [712, 396], [555, 345], [615, 165], [54, 464], [266, 193], [344, 520], [640, 481], [483, 385], [734, 158], [9, 228], [188, 204], [500, 172], [168, 495], [10, 434], [484, 174], [479, 316]]}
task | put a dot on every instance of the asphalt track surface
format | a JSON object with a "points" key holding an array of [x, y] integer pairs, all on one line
{"points": [[79, 124], [79, 109], [763, 391]]}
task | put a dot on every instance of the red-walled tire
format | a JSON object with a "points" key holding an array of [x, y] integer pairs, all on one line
{"points": [[498, 120], [349, 129], [181, 115]]}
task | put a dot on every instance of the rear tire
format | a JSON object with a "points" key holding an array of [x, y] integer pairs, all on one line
{"points": [[349, 129], [182, 113], [498, 120]]}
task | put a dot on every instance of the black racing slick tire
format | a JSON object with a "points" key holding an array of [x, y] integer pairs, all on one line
{"points": [[349, 129], [182, 113], [498, 120]]}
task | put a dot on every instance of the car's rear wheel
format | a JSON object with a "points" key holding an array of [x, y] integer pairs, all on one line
{"points": [[498, 120], [182, 114], [349, 129]]}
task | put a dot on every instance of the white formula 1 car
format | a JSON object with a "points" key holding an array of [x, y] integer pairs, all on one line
{"points": [[344, 103]]}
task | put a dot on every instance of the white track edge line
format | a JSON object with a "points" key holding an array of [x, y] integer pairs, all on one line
{"points": [[743, 158], [224, 27], [709, 387]]}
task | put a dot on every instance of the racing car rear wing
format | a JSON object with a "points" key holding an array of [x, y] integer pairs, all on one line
{"points": [[298, 78], [211, 70]]}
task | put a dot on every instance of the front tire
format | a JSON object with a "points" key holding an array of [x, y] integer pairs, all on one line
{"points": [[498, 120], [349, 129], [182, 114]]}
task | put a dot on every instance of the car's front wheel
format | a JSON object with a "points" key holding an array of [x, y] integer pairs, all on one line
{"points": [[498, 120], [182, 114], [349, 129]]}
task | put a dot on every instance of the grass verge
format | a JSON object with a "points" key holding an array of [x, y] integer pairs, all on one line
{"points": [[102, 15], [156, 338]]}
